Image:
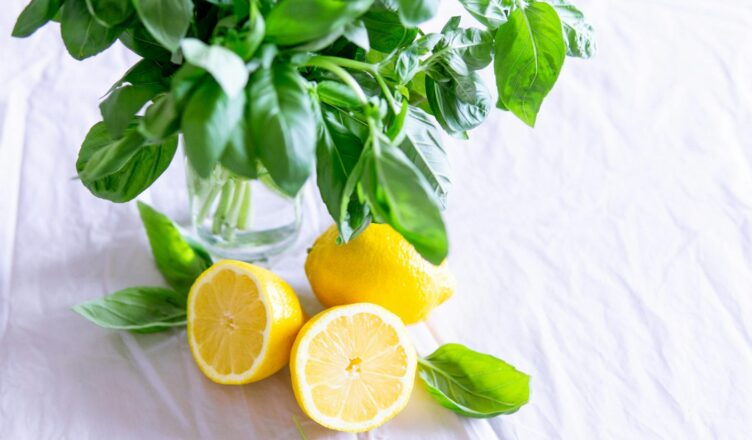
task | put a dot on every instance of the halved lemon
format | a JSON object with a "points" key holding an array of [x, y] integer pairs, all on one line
{"points": [[242, 321], [353, 367]]}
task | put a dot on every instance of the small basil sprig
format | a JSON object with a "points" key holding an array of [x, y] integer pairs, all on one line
{"points": [[473, 384], [153, 309]]}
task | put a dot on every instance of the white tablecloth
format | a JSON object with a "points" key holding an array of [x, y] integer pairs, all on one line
{"points": [[608, 252]]}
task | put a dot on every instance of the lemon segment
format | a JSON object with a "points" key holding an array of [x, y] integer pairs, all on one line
{"points": [[242, 321], [353, 367]]}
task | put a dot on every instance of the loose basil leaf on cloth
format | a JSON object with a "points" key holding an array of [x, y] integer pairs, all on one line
{"points": [[166, 20], [179, 262], [134, 176], [385, 29], [491, 13], [398, 193], [292, 22], [110, 13], [208, 121], [473, 384], [422, 146], [35, 15], [530, 51], [337, 153], [227, 68], [578, 33], [415, 12], [84, 36], [459, 103], [136, 309], [283, 125]]}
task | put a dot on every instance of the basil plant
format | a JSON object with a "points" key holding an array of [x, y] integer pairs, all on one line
{"points": [[352, 89]]}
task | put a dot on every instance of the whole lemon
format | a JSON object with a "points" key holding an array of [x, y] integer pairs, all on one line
{"points": [[380, 267]]}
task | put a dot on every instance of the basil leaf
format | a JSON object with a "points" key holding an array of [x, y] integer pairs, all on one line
{"points": [[179, 263], [459, 103], [110, 13], [122, 104], [385, 29], [462, 50], [337, 153], [415, 12], [247, 40], [35, 15], [422, 146], [166, 20], [140, 41], [492, 13], [283, 126], [408, 63], [161, 119], [530, 51], [578, 33], [224, 65], [136, 309], [337, 94], [134, 176], [357, 34], [473, 384], [207, 124], [112, 157], [142, 73], [82, 35], [240, 154], [293, 22], [399, 194]]}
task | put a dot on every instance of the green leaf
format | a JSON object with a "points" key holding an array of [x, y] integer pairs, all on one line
{"points": [[82, 35], [161, 119], [338, 95], [178, 261], [240, 154], [385, 29], [144, 72], [408, 61], [35, 15], [166, 20], [208, 121], [356, 33], [110, 13], [473, 384], [119, 108], [337, 153], [415, 12], [459, 103], [578, 33], [224, 65], [422, 146], [247, 40], [140, 41], [530, 51], [399, 194], [112, 158], [136, 309], [283, 126], [134, 176], [293, 22], [462, 50], [492, 13]]}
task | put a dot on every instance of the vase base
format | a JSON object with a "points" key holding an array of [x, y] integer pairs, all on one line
{"points": [[250, 246]]}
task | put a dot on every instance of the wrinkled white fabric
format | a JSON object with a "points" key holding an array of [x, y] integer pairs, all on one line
{"points": [[608, 252]]}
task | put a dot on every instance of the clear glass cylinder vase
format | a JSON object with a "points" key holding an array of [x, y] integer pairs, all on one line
{"points": [[239, 218]]}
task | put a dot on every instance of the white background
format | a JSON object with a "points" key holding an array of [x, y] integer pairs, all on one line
{"points": [[607, 252]]}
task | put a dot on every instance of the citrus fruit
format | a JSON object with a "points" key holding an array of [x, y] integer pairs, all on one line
{"points": [[380, 267], [353, 367], [242, 321]]}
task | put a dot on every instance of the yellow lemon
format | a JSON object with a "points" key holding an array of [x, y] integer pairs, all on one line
{"points": [[380, 267], [242, 322], [353, 367]]}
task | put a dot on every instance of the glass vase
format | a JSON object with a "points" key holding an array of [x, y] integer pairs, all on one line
{"points": [[239, 218]]}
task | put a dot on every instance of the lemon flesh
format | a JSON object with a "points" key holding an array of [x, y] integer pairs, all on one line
{"points": [[242, 321], [353, 367]]}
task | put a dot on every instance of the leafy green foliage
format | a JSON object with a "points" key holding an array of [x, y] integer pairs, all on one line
{"points": [[473, 384], [530, 51], [179, 261], [120, 169], [136, 309], [35, 15], [276, 89]]}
